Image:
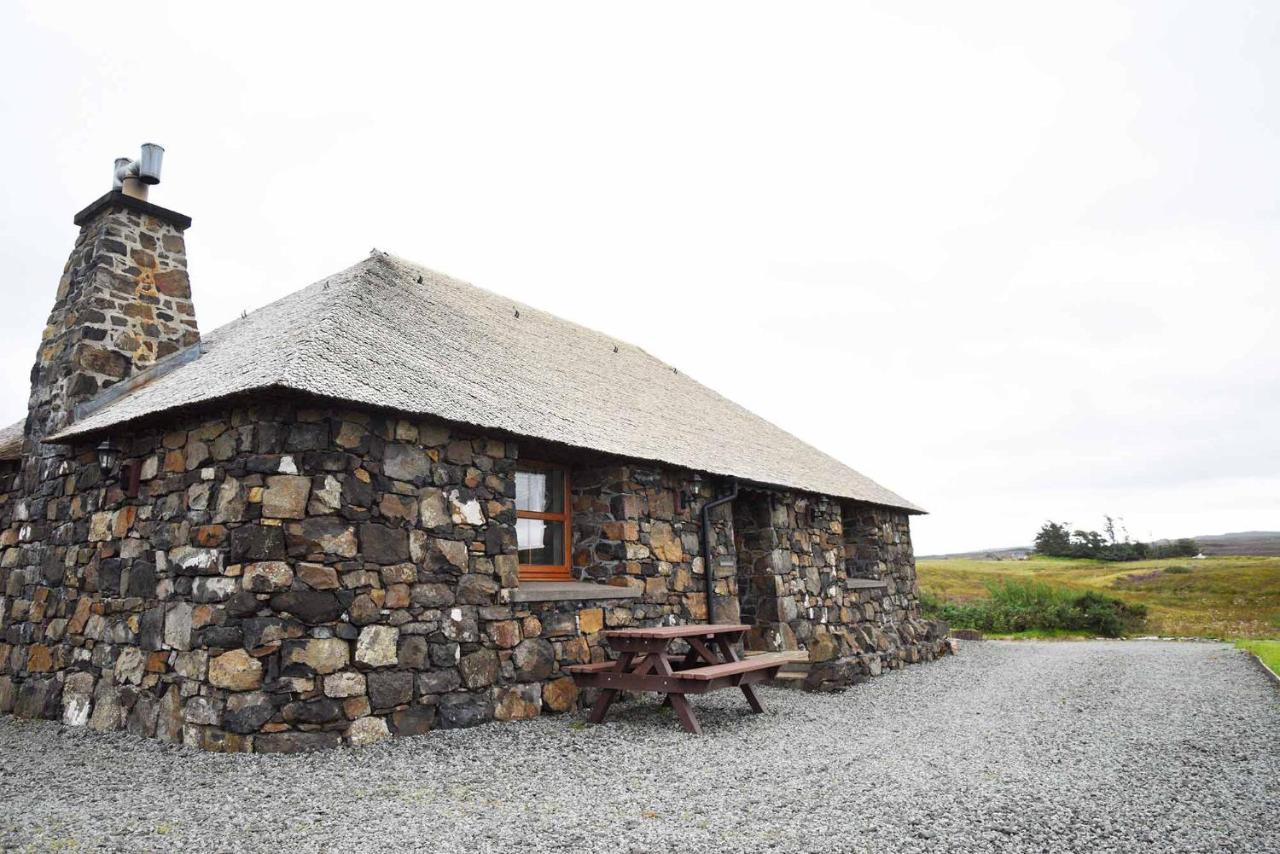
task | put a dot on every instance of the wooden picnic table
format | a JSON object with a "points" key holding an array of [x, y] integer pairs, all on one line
{"points": [[646, 663]]}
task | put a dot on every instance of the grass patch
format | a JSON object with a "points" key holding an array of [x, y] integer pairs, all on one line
{"points": [[1220, 597], [1019, 605], [1267, 650], [1039, 634]]}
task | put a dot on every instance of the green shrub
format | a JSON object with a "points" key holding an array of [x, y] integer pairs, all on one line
{"points": [[1177, 570], [1017, 605]]}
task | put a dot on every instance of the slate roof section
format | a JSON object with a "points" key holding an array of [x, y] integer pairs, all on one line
{"points": [[11, 441], [391, 334]]}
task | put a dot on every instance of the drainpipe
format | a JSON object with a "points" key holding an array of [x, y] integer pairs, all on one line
{"points": [[708, 567]]}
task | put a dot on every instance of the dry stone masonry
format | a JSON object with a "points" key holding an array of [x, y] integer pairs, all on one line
{"points": [[279, 572]]}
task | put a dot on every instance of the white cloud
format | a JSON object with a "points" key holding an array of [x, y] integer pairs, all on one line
{"points": [[1014, 261]]}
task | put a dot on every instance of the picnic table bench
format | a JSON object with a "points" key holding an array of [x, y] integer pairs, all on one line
{"points": [[645, 663]]}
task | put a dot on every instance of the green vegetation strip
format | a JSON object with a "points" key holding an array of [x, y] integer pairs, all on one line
{"points": [[1017, 605], [1217, 597]]}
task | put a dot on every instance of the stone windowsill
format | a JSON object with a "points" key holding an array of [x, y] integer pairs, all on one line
{"points": [[863, 583], [569, 591]]}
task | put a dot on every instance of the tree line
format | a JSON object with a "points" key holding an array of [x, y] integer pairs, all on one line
{"points": [[1057, 539]]}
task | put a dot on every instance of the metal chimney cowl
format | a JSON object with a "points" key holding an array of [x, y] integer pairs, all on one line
{"points": [[132, 177]]}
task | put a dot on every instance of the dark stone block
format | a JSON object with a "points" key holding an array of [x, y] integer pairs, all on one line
{"points": [[39, 698], [140, 580], [462, 710], [381, 544], [257, 542], [610, 551], [439, 682], [309, 536], [296, 742], [307, 437], [260, 631], [534, 660], [330, 461], [248, 717], [415, 720], [142, 717], [53, 570], [152, 629], [357, 493], [835, 675], [220, 637], [414, 653], [268, 438], [495, 540], [388, 689], [242, 604], [109, 576], [445, 654], [477, 589], [262, 464], [318, 711], [312, 607]]}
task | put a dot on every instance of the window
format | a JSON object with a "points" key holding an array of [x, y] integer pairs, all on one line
{"points": [[542, 522]]}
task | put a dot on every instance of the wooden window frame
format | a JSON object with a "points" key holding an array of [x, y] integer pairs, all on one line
{"points": [[550, 572]]}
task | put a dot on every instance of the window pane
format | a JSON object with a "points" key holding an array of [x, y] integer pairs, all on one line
{"points": [[540, 490], [540, 543]]}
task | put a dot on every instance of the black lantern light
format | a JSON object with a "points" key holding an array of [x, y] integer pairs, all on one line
{"points": [[108, 456]]}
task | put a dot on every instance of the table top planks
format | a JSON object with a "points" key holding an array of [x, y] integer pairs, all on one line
{"points": [[691, 630]]}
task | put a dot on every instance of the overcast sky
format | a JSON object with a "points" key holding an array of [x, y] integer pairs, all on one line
{"points": [[1013, 261]]}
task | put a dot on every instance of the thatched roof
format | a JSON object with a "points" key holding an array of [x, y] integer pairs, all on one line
{"points": [[392, 334], [11, 441]]}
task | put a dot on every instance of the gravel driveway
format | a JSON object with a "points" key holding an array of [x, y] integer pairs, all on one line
{"points": [[1099, 746]]}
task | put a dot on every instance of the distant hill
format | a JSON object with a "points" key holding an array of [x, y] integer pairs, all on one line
{"points": [[1011, 553], [1262, 543], [1265, 543]]}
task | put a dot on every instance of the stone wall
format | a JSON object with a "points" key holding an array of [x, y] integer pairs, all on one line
{"points": [[286, 577], [640, 526], [878, 546], [291, 577], [836, 579]]}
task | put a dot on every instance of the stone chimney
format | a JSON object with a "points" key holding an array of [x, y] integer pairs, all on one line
{"points": [[123, 303]]}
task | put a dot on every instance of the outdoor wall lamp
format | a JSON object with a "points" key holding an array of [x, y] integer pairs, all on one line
{"points": [[108, 456], [688, 495], [130, 472]]}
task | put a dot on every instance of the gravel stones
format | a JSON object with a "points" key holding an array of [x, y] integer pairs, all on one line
{"points": [[1122, 747]]}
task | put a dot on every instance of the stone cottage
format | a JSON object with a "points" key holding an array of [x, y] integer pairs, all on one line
{"points": [[389, 502]]}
